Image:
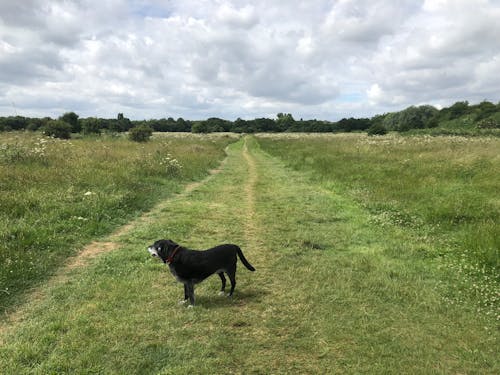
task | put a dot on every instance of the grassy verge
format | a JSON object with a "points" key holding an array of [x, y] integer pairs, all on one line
{"points": [[328, 296], [56, 195]]}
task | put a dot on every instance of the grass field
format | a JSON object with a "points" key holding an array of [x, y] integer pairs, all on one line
{"points": [[441, 191], [56, 195], [440, 185], [345, 283]]}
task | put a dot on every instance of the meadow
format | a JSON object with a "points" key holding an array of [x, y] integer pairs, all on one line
{"points": [[56, 195], [439, 184], [443, 190], [361, 257]]}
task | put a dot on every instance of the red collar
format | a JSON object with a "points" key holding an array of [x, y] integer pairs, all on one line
{"points": [[170, 259]]}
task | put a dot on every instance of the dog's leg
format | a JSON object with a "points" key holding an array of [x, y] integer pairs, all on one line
{"points": [[190, 289], [186, 294], [223, 279], [232, 278]]}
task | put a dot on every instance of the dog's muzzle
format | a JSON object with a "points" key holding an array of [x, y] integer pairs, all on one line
{"points": [[153, 252]]}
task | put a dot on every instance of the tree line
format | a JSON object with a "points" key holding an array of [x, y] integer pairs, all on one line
{"points": [[482, 115]]}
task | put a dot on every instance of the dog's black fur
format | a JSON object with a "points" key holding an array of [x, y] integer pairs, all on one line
{"points": [[193, 266]]}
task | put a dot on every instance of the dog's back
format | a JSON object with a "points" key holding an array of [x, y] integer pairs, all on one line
{"points": [[213, 260]]}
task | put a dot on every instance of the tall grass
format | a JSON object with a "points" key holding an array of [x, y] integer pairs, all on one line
{"points": [[57, 195], [447, 184], [442, 189]]}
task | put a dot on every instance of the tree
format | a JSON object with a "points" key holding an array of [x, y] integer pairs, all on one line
{"points": [[71, 118], [264, 124], [182, 125], [485, 109], [200, 127], [216, 124], [140, 133], [425, 116], [13, 123], [458, 109], [121, 124], [353, 124], [35, 124], [124, 123], [91, 125], [416, 117], [239, 125], [284, 121]]}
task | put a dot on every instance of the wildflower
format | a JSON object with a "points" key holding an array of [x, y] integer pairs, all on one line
{"points": [[172, 165]]}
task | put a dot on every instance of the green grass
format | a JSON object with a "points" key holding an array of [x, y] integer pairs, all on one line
{"points": [[56, 195], [445, 186], [334, 292]]}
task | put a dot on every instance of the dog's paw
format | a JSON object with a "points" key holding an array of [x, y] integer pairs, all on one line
{"points": [[221, 293], [190, 306], [183, 302]]}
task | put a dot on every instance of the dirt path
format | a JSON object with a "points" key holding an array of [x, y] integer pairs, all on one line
{"points": [[250, 224]]}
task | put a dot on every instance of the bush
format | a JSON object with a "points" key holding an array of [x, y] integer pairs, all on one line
{"points": [[489, 123], [140, 133], [57, 129], [91, 125], [377, 129]]}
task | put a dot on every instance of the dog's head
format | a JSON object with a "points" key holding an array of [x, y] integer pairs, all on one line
{"points": [[162, 249]]}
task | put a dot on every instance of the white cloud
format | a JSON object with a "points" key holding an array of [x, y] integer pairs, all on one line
{"points": [[195, 59], [239, 18], [375, 94]]}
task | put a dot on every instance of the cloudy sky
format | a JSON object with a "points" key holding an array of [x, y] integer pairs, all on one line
{"points": [[198, 58]]}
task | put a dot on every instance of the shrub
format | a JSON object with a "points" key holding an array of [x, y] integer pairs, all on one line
{"points": [[377, 129], [140, 133], [91, 125], [489, 123], [57, 129]]}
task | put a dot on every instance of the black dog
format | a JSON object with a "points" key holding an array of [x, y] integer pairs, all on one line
{"points": [[192, 266]]}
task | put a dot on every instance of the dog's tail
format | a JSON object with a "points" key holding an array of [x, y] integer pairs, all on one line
{"points": [[244, 260]]}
